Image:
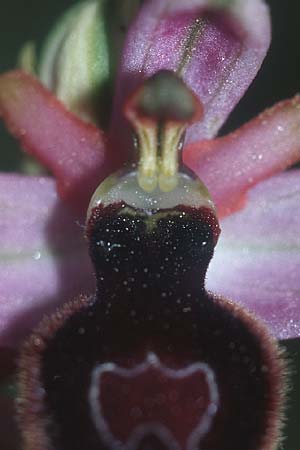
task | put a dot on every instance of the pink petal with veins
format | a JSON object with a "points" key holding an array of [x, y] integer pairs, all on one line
{"points": [[230, 165], [217, 50], [257, 259], [71, 149], [43, 257]]}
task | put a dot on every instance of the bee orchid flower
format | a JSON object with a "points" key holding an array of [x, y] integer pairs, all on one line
{"points": [[184, 67]]}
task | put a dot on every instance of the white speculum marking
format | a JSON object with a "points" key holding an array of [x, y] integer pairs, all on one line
{"points": [[152, 427]]}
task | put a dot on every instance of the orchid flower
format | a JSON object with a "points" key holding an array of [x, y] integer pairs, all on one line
{"points": [[203, 54]]}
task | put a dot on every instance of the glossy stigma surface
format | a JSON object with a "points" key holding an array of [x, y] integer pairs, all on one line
{"points": [[152, 360]]}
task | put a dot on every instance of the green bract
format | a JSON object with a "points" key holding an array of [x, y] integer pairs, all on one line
{"points": [[79, 58]]}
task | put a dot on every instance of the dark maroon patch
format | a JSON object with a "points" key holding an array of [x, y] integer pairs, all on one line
{"points": [[8, 358]]}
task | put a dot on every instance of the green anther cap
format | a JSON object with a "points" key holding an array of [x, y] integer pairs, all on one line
{"points": [[165, 97]]}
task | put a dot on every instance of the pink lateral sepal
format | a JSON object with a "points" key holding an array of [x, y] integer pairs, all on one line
{"points": [[257, 259], [74, 151], [43, 256], [232, 164]]}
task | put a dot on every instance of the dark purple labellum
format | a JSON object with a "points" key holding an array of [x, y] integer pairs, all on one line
{"points": [[152, 361]]}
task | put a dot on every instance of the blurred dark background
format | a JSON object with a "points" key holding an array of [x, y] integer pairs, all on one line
{"points": [[279, 78]]}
